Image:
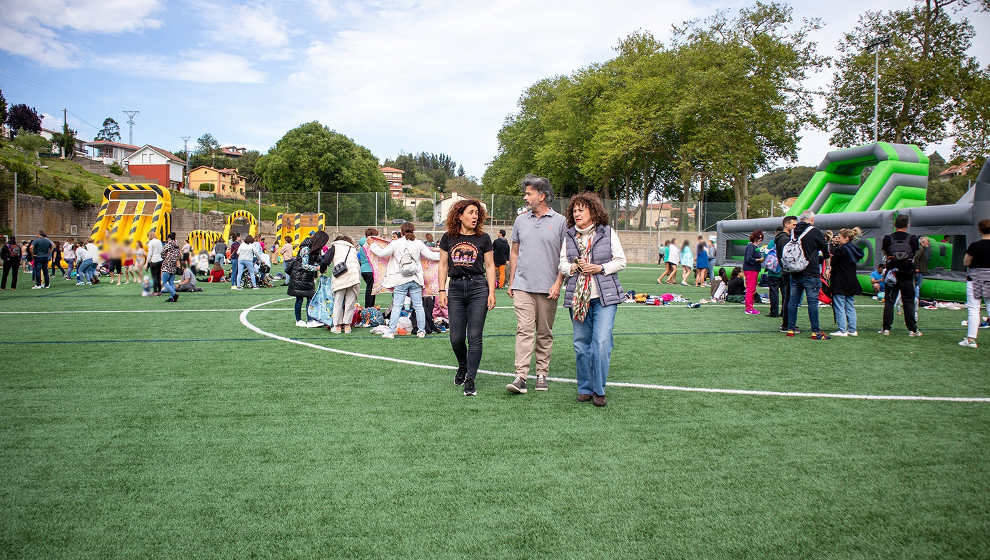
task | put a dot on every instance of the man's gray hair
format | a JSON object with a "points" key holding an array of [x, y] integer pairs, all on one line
{"points": [[807, 215], [538, 184]]}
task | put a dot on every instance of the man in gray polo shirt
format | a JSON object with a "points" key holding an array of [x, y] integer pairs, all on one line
{"points": [[537, 236]]}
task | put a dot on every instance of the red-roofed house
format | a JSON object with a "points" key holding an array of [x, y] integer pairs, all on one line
{"points": [[393, 177], [161, 166], [110, 152], [233, 151], [956, 170]]}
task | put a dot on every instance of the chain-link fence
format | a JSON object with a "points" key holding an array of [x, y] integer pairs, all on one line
{"points": [[381, 209]]}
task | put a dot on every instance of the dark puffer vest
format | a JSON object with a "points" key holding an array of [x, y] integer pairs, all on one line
{"points": [[609, 288], [302, 282]]}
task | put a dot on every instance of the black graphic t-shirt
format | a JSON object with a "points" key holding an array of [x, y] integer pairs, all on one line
{"points": [[465, 254]]}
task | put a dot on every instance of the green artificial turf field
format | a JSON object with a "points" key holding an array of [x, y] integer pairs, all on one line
{"points": [[187, 434]]}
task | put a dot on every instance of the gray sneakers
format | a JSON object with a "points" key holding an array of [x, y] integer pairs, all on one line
{"points": [[518, 386], [541, 383]]}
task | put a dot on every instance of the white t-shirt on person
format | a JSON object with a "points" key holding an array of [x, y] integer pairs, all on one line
{"points": [[155, 250]]}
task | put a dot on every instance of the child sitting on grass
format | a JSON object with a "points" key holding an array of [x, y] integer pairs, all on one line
{"points": [[216, 273]]}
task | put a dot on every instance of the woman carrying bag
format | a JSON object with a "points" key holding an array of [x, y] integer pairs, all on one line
{"points": [[302, 272], [405, 275], [342, 259]]}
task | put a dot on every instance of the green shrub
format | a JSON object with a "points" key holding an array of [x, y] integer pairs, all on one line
{"points": [[206, 187], [115, 169], [79, 197]]}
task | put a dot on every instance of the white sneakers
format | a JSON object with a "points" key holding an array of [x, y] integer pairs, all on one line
{"points": [[313, 324], [421, 334], [380, 329], [839, 333], [388, 334], [967, 343], [301, 324]]}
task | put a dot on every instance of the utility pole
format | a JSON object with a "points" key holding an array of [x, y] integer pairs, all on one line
{"points": [[65, 129], [875, 45], [130, 125]]}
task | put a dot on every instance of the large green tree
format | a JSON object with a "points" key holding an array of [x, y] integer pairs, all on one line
{"points": [[971, 122], [923, 73], [311, 158], [21, 117]]}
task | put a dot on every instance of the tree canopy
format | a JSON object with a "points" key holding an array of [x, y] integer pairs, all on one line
{"points": [[928, 83], [312, 157], [110, 131], [21, 117], [723, 101]]}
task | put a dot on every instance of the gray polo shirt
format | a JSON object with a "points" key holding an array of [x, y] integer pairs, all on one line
{"points": [[539, 240]]}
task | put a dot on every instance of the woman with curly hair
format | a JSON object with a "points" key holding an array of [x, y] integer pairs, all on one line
{"points": [[466, 258], [591, 259]]}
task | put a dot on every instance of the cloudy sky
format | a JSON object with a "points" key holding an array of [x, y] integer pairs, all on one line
{"points": [[400, 75]]}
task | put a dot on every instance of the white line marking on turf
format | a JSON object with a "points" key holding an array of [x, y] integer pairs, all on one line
{"points": [[252, 327], [69, 312]]}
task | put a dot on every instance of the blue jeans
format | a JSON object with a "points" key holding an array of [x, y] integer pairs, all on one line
{"points": [[845, 312], [84, 273], [234, 273], [219, 258], [247, 266], [68, 268], [168, 282], [801, 284], [415, 292], [593, 347]]}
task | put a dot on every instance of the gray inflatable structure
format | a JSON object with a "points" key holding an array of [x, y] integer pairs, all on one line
{"points": [[957, 222]]}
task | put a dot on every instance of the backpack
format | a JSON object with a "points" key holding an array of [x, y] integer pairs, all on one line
{"points": [[793, 258], [900, 249], [771, 262], [407, 265]]}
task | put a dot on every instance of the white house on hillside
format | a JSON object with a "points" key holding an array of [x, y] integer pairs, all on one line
{"points": [[157, 164]]}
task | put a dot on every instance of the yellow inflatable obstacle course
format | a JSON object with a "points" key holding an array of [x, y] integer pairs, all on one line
{"points": [[297, 227], [130, 211], [203, 240], [241, 222]]}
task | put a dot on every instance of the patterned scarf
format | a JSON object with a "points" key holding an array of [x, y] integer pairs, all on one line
{"points": [[582, 293]]}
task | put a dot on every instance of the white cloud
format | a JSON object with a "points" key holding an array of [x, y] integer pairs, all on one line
{"points": [[31, 29], [254, 23], [325, 10], [190, 66], [451, 73]]}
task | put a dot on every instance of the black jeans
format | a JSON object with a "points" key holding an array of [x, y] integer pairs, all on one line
{"points": [[57, 262], [13, 267], [156, 276], [784, 283], [467, 308], [40, 270], [299, 302], [905, 287], [428, 304], [369, 282], [774, 284]]}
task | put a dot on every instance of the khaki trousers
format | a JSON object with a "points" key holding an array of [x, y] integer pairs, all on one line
{"points": [[534, 331]]}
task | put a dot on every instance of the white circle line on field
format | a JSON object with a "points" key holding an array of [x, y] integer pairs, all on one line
{"points": [[244, 321]]}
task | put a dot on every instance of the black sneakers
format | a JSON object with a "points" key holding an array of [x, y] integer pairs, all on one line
{"points": [[459, 377], [469, 390], [518, 386]]}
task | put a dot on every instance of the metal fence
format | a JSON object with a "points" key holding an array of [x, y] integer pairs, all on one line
{"points": [[380, 209]]}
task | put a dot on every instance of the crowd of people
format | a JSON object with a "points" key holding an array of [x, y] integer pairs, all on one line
{"points": [[576, 255], [803, 262]]}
